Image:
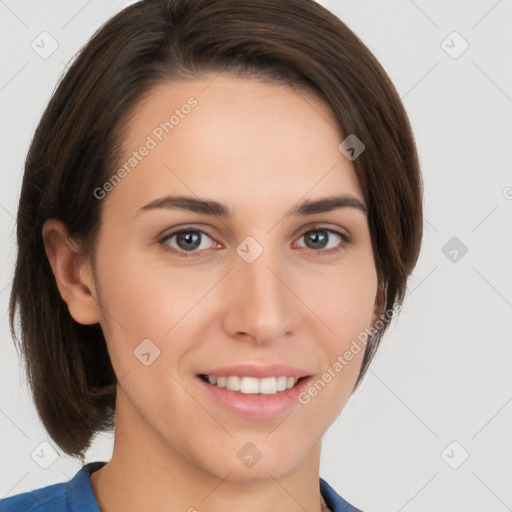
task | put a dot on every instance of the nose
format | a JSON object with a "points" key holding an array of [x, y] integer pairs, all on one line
{"points": [[260, 303]]}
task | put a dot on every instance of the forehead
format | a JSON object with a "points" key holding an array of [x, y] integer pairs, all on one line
{"points": [[241, 141]]}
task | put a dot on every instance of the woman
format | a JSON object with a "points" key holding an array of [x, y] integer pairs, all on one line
{"points": [[220, 210]]}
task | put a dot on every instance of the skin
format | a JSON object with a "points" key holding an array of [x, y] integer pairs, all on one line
{"points": [[259, 148]]}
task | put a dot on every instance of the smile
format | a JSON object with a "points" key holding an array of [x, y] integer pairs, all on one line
{"points": [[252, 385]]}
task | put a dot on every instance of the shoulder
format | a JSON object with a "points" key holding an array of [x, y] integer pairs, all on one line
{"points": [[74, 495], [334, 501], [50, 498]]}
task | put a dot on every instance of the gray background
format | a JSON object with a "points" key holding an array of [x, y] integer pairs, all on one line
{"points": [[440, 389]]}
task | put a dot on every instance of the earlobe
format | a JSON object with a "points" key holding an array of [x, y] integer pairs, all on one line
{"points": [[72, 273]]}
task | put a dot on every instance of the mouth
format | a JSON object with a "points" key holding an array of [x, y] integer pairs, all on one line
{"points": [[246, 385], [254, 393]]}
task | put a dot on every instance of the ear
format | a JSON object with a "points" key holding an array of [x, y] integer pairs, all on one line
{"points": [[73, 273], [380, 302]]}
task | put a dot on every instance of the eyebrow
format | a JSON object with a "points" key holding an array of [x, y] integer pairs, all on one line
{"points": [[210, 207]]}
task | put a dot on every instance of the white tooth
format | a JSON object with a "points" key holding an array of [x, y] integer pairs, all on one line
{"points": [[290, 382], [281, 383], [233, 383], [252, 385], [249, 385], [268, 386]]}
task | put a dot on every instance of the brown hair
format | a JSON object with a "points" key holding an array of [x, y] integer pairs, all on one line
{"points": [[76, 145]]}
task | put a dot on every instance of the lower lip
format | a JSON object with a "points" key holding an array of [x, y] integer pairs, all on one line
{"points": [[255, 407]]}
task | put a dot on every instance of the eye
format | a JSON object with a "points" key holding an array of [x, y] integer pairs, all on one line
{"points": [[325, 240], [186, 241]]}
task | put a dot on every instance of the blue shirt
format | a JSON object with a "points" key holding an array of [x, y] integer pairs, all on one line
{"points": [[77, 496]]}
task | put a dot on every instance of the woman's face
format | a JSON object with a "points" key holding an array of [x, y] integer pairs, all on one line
{"points": [[255, 285]]}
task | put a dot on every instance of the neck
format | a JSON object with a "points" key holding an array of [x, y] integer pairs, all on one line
{"points": [[146, 474], [135, 484]]}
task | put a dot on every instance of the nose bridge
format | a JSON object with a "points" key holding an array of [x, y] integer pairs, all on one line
{"points": [[261, 305]]}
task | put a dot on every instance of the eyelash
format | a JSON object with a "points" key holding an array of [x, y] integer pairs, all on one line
{"points": [[191, 254]]}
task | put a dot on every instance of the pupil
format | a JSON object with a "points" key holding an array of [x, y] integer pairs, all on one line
{"points": [[315, 236], [190, 237]]}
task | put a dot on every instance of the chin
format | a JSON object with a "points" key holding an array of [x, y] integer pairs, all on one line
{"points": [[250, 464], [260, 472]]}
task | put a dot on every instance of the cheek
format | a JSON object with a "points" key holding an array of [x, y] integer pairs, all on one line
{"points": [[145, 299], [345, 297], [346, 304]]}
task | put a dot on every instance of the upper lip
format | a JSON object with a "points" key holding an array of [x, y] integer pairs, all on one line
{"points": [[260, 372]]}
